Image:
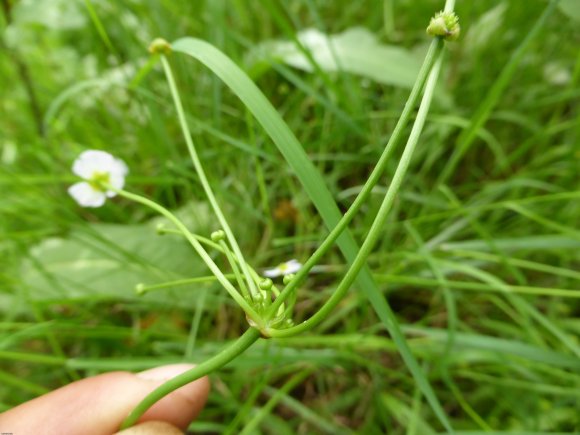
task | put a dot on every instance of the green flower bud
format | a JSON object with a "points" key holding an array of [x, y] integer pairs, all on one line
{"points": [[159, 46], [218, 236], [265, 284], [140, 288], [288, 278], [445, 25]]}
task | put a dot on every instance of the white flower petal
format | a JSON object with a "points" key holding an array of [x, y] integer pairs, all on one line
{"points": [[272, 273], [97, 166], [92, 161], [86, 196], [119, 167], [291, 266], [117, 181]]}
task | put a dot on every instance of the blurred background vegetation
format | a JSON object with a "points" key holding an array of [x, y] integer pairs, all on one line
{"points": [[480, 259]]}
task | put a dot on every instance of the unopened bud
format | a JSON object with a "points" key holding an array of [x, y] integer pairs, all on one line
{"points": [[265, 284], [445, 25], [218, 236], [159, 46]]}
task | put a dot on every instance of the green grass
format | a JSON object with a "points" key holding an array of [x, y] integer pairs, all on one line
{"points": [[479, 258]]}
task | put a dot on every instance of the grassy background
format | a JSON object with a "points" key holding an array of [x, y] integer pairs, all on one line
{"points": [[479, 259]]}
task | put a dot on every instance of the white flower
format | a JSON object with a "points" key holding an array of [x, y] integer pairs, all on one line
{"points": [[286, 268], [97, 167]]}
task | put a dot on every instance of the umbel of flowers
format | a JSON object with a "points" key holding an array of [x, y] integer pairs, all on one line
{"points": [[268, 309]]}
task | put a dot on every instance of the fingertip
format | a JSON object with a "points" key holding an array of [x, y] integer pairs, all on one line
{"points": [[98, 405], [182, 405]]}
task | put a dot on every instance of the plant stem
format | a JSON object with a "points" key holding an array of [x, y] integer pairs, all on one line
{"points": [[377, 226], [196, 245], [217, 247], [235, 269], [203, 178], [221, 359], [432, 54], [179, 282]]}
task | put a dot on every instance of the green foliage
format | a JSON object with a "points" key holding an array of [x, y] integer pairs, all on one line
{"points": [[354, 51], [489, 209]]}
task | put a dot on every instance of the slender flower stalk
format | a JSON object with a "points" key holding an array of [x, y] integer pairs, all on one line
{"points": [[141, 289], [378, 224], [395, 139], [203, 178], [198, 248], [213, 245], [235, 269]]}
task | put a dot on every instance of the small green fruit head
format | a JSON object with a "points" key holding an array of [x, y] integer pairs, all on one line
{"points": [[445, 25]]}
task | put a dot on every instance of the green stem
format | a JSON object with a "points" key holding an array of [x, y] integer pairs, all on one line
{"points": [[221, 359], [449, 6], [196, 245], [203, 178], [235, 269], [142, 289], [377, 226], [217, 247], [432, 54]]}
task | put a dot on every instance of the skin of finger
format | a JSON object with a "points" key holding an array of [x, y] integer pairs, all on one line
{"points": [[152, 428], [98, 405]]}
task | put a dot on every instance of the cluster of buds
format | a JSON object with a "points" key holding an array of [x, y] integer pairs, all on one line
{"points": [[444, 25]]}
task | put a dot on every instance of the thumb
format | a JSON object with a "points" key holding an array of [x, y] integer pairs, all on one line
{"points": [[98, 405]]}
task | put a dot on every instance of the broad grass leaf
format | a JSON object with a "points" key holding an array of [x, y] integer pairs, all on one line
{"points": [[107, 261], [571, 8], [356, 51]]}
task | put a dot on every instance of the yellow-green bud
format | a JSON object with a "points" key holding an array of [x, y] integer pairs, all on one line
{"points": [[140, 288], [288, 278], [159, 46], [265, 284], [218, 236], [445, 25]]}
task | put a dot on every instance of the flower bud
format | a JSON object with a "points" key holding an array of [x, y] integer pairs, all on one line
{"points": [[287, 278], [218, 236], [140, 288], [445, 25], [265, 284], [159, 46]]}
